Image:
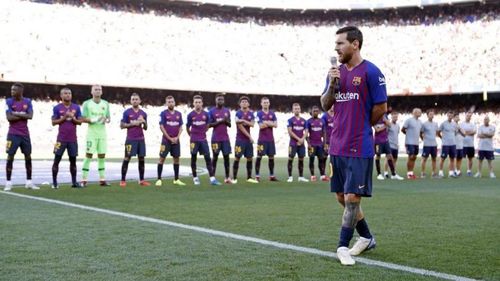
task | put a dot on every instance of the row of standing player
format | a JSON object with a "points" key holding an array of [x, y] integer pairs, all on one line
{"points": [[67, 116], [457, 140]]}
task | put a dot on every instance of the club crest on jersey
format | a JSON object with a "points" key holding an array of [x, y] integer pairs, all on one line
{"points": [[25, 106], [356, 80]]}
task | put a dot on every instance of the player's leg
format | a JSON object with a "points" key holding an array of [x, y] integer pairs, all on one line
{"points": [[175, 151], [451, 164], [194, 155], [301, 155], [271, 151], [205, 151], [320, 153], [216, 148], [26, 150], [238, 152], [8, 171], [101, 161], [248, 153], [444, 155], [292, 150], [141, 154], [469, 152], [377, 161], [490, 165], [164, 150], [126, 160], [58, 153], [91, 149], [258, 160], [72, 149], [312, 156], [425, 156]]}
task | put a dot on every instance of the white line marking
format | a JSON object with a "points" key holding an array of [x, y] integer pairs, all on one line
{"points": [[279, 245]]}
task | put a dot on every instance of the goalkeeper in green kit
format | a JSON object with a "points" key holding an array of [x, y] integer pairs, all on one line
{"points": [[96, 114]]}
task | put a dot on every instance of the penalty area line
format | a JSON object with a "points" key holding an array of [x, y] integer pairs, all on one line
{"points": [[280, 245]]}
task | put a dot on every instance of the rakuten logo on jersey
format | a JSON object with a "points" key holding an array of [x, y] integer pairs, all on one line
{"points": [[199, 123], [343, 97]]}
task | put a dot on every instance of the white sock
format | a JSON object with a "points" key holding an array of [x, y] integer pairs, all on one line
{"points": [[8, 183], [212, 178], [28, 182]]}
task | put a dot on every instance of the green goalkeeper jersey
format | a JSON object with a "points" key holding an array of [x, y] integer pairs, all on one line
{"points": [[96, 112]]}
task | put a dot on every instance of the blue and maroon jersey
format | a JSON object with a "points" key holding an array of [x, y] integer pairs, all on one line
{"points": [[219, 132], [266, 134], [19, 127], [328, 121], [315, 127], [360, 89], [248, 116], [171, 122], [298, 126], [382, 136], [136, 132], [67, 129], [198, 122]]}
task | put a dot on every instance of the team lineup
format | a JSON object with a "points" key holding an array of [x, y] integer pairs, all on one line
{"points": [[354, 103]]}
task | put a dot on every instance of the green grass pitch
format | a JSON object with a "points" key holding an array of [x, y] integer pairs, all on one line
{"points": [[446, 225]]}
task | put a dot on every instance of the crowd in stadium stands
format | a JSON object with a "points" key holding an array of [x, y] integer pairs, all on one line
{"points": [[184, 48], [43, 134]]}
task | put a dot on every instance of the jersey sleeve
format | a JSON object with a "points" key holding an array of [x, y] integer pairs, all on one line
{"points": [[376, 85], [259, 117], [189, 121], [8, 105], [30, 106], [406, 123], [327, 83], [85, 111], [211, 118], [289, 123], [180, 119], [238, 115], [55, 113], [441, 127], [125, 118], [274, 117], [78, 112], [162, 118]]}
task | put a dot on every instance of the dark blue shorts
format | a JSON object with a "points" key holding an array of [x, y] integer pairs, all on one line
{"points": [[61, 146], [243, 148], [135, 147], [299, 150], [485, 154], [469, 151], [167, 147], [200, 147], [14, 142], [316, 150], [382, 148], [411, 149], [351, 175], [460, 154], [448, 150], [221, 146], [430, 150], [394, 153], [266, 148]]}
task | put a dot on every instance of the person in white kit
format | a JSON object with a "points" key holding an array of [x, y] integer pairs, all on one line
{"points": [[393, 141], [428, 135], [485, 134], [459, 142], [411, 128], [469, 129], [446, 132]]}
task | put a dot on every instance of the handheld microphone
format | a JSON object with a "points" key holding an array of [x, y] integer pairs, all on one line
{"points": [[335, 83]]}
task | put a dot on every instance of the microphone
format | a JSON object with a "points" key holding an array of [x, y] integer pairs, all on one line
{"points": [[335, 83]]}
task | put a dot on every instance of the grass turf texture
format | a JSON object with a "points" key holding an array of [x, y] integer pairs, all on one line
{"points": [[447, 225]]}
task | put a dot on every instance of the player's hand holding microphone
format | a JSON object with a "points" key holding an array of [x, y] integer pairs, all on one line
{"points": [[334, 75]]}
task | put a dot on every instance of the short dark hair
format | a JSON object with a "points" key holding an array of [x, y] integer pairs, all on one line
{"points": [[135, 95], [169, 98], [242, 98], [65, 89], [295, 103], [198, 97], [264, 98], [18, 85], [353, 33], [314, 107], [220, 95]]}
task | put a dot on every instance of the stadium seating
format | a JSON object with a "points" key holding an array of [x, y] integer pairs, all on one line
{"points": [[82, 45]]}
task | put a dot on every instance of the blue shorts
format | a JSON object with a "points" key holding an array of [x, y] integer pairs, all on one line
{"points": [[61, 146], [485, 154], [300, 150], [430, 150], [382, 148], [243, 148], [200, 147], [448, 150], [351, 175], [14, 142], [266, 148], [394, 153], [173, 148], [460, 154], [469, 151], [135, 147], [316, 150], [411, 149], [221, 146]]}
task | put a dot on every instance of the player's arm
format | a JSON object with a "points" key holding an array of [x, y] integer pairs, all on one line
{"points": [[107, 114], [85, 114], [164, 132], [25, 115], [421, 135], [56, 118], [378, 112], [293, 135], [126, 123], [145, 122], [245, 132], [77, 118], [211, 120], [439, 133]]}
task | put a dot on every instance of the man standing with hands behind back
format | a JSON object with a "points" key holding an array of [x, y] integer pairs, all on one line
{"points": [[357, 89]]}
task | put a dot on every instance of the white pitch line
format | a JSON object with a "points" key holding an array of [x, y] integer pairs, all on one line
{"points": [[275, 244]]}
